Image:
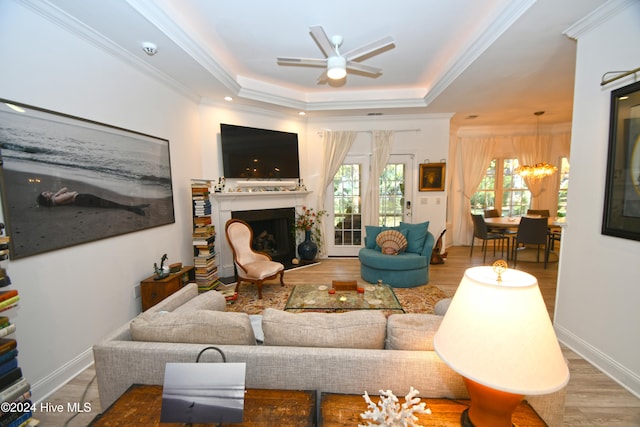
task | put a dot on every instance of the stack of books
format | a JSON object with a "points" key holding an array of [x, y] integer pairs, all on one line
{"points": [[14, 388], [204, 236]]}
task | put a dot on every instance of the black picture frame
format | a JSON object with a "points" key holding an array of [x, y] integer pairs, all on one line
{"points": [[622, 190], [432, 176], [118, 181]]}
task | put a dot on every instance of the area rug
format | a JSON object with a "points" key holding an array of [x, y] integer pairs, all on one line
{"points": [[420, 299]]}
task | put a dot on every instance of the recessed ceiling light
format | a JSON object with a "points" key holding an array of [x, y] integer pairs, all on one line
{"points": [[302, 113], [228, 98]]}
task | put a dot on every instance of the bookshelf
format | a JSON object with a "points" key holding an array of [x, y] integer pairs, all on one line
{"points": [[14, 388], [203, 237]]}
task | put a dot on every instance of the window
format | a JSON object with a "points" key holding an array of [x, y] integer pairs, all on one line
{"points": [[564, 186], [485, 197], [392, 194], [515, 197]]}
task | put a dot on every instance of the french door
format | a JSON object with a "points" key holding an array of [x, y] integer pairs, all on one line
{"points": [[346, 233]]}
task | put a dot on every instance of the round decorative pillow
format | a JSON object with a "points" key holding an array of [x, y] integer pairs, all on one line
{"points": [[392, 242]]}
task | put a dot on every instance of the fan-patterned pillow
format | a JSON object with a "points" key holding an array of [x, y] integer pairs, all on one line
{"points": [[392, 242]]}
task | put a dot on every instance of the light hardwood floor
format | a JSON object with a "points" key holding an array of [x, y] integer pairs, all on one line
{"points": [[593, 399]]}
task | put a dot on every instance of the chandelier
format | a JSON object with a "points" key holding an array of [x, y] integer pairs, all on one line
{"points": [[539, 170]]}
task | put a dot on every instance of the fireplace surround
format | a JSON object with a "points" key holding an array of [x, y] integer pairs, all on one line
{"points": [[227, 205], [272, 232]]}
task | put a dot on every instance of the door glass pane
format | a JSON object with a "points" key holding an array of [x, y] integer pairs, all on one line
{"points": [[392, 184], [346, 205]]}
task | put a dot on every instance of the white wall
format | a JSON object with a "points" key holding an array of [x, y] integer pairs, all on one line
{"points": [[598, 285], [71, 298]]}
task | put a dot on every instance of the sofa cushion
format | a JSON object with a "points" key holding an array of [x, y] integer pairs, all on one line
{"points": [[354, 329], [212, 300], [194, 326], [416, 235], [412, 331], [392, 242]]}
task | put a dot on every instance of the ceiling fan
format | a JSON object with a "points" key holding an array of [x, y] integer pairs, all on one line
{"points": [[338, 64]]}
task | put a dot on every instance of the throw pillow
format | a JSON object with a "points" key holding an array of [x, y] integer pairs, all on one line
{"points": [[392, 242], [371, 233], [195, 327], [212, 300], [413, 331], [416, 235], [364, 329]]}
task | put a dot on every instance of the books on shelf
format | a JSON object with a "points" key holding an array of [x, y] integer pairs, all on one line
{"points": [[9, 303], [204, 233], [5, 295], [8, 329], [14, 390]]}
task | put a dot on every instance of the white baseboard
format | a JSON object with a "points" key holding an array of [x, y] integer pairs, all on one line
{"points": [[617, 372], [58, 378]]}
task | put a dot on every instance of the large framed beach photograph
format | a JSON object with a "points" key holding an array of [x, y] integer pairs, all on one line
{"points": [[622, 193], [67, 180]]}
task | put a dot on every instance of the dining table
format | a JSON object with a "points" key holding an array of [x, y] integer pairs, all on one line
{"points": [[514, 221], [555, 225]]}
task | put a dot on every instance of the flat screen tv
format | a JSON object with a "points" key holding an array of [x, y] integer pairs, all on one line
{"points": [[252, 153]]}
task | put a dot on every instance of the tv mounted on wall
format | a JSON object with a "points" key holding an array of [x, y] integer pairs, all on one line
{"points": [[252, 153]]}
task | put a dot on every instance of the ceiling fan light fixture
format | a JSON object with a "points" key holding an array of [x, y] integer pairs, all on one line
{"points": [[336, 67]]}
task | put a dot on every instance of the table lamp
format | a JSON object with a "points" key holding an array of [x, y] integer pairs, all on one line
{"points": [[498, 335]]}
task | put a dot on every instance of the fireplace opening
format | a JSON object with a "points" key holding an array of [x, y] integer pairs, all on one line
{"points": [[272, 232]]}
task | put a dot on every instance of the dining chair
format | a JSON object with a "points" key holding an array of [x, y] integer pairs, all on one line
{"points": [[544, 213], [531, 231], [480, 231], [493, 213], [553, 236], [251, 266]]}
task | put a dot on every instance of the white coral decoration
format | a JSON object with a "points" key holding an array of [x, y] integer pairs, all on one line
{"points": [[389, 413]]}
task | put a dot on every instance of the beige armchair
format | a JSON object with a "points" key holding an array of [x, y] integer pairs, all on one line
{"points": [[251, 266]]}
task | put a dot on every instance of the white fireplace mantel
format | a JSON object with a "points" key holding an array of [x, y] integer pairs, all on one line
{"points": [[225, 203]]}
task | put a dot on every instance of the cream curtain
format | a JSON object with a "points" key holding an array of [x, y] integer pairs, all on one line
{"points": [[529, 151], [381, 147], [473, 158], [336, 146]]}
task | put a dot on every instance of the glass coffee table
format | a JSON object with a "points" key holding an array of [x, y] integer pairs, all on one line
{"points": [[318, 298]]}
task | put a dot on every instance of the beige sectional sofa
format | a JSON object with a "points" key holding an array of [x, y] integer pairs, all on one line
{"points": [[348, 352]]}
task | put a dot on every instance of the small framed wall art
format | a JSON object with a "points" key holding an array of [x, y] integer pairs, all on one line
{"points": [[432, 176]]}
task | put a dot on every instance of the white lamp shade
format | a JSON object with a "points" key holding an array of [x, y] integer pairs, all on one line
{"points": [[336, 67], [499, 334]]}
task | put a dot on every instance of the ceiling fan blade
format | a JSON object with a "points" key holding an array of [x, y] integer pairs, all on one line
{"points": [[323, 78], [322, 40], [368, 69], [303, 61], [355, 54]]}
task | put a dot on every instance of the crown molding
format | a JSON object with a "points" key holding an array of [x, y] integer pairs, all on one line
{"points": [[597, 17], [161, 20], [507, 16], [65, 21]]}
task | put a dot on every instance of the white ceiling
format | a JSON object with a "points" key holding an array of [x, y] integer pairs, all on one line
{"points": [[498, 59]]}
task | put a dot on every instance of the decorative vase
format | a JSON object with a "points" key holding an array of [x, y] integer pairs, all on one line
{"points": [[307, 249]]}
